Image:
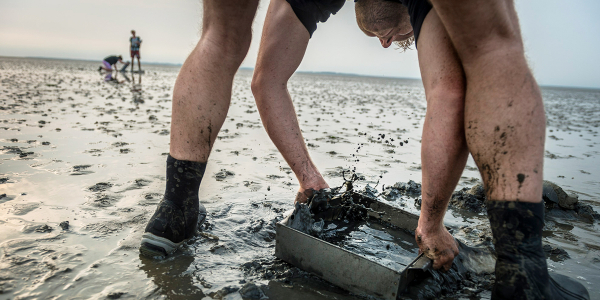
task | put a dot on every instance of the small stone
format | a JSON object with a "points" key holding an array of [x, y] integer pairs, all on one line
{"points": [[64, 225], [251, 291]]}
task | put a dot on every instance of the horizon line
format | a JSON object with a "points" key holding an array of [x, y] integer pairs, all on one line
{"points": [[302, 72]]}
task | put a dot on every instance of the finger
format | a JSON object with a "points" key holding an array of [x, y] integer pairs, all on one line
{"points": [[437, 264], [446, 258], [447, 266]]}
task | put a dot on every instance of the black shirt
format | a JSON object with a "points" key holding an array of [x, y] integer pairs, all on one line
{"points": [[112, 59]]}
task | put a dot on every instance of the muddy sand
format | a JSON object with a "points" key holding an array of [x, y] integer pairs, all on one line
{"points": [[82, 168]]}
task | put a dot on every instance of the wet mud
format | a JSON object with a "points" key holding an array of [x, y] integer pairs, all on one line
{"points": [[82, 168]]}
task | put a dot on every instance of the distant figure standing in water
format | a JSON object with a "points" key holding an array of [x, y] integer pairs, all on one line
{"points": [[109, 62], [134, 48]]}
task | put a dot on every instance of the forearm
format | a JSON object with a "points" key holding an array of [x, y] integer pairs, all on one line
{"points": [[282, 48], [444, 154], [280, 121]]}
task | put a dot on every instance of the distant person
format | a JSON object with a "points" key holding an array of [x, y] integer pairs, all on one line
{"points": [[135, 44], [109, 62]]}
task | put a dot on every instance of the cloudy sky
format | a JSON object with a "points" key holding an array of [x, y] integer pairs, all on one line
{"points": [[562, 38]]}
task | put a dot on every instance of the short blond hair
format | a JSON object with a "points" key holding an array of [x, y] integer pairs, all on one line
{"points": [[370, 12]]}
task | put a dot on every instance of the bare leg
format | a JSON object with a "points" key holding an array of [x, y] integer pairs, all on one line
{"points": [[504, 115], [202, 91], [139, 65], [282, 48], [444, 148]]}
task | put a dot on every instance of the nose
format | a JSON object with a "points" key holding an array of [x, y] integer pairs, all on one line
{"points": [[385, 43]]}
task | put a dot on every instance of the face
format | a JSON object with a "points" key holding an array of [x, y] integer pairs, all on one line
{"points": [[133, 32], [390, 32]]}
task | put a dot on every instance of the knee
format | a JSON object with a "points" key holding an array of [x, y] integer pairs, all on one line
{"points": [[260, 81], [263, 81], [230, 42], [449, 93], [257, 83]]}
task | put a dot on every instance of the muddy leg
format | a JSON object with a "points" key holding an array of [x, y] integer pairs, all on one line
{"points": [[505, 131], [202, 91], [201, 99], [504, 114]]}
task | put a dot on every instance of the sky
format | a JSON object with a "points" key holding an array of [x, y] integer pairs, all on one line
{"points": [[562, 38]]}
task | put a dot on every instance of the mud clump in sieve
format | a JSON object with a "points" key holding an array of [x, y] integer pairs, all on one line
{"points": [[341, 218]]}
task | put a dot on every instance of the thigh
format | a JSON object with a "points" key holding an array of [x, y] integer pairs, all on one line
{"points": [[230, 16], [441, 69], [283, 42], [477, 27]]}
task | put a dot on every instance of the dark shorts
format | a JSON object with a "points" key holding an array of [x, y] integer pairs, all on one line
{"points": [[418, 10], [135, 53], [311, 12]]}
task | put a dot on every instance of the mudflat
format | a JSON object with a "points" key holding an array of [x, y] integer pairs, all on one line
{"points": [[82, 166]]}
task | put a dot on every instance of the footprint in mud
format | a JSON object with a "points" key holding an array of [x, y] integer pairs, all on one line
{"points": [[253, 186], [33, 260], [104, 200], [119, 144], [275, 177], [23, 209], [6, 198], [43, 228], [138, 184], [223, 174], [151, 199], [18, 151], [100, 187], [94, 152], [125, 150], [81, 170]]}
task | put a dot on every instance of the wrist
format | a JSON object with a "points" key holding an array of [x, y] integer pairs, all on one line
{"points": [[430, 225]]}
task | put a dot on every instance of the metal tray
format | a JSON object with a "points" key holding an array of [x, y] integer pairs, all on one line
{"points": [[346, 269]]}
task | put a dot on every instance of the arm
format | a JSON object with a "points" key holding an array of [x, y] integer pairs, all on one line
{"points": [[282, 47], [444, 149]]}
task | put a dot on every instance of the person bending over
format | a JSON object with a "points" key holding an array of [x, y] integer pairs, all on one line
{"points": [[109, 62], [474, 75], [201, 99]]}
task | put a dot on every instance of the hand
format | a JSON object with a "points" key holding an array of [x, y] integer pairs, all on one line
{"points": [[303, 195], [437, 244]]}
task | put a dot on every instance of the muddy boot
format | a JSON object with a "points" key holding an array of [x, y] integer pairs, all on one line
{"points": [[521, 270], [178, 214]]}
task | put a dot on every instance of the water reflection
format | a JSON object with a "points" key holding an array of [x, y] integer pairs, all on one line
{"points": [[111, 77], [172, 276], [136, 86]]}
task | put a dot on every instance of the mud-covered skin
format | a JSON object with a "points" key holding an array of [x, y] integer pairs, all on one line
{"points": [[178, 214], [521, 270]]}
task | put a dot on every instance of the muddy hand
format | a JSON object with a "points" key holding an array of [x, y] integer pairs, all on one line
{"points": [[303, 196], [438, 245]]}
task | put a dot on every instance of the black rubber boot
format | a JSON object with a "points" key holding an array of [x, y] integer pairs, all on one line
{"points": [[178, 214], [521, 270]]}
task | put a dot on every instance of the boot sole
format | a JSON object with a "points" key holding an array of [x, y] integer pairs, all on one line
{"points": [[153, 246]]}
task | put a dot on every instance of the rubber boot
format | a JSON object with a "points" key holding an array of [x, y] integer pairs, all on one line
{"points": [[179, 213], [521, 270]]}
